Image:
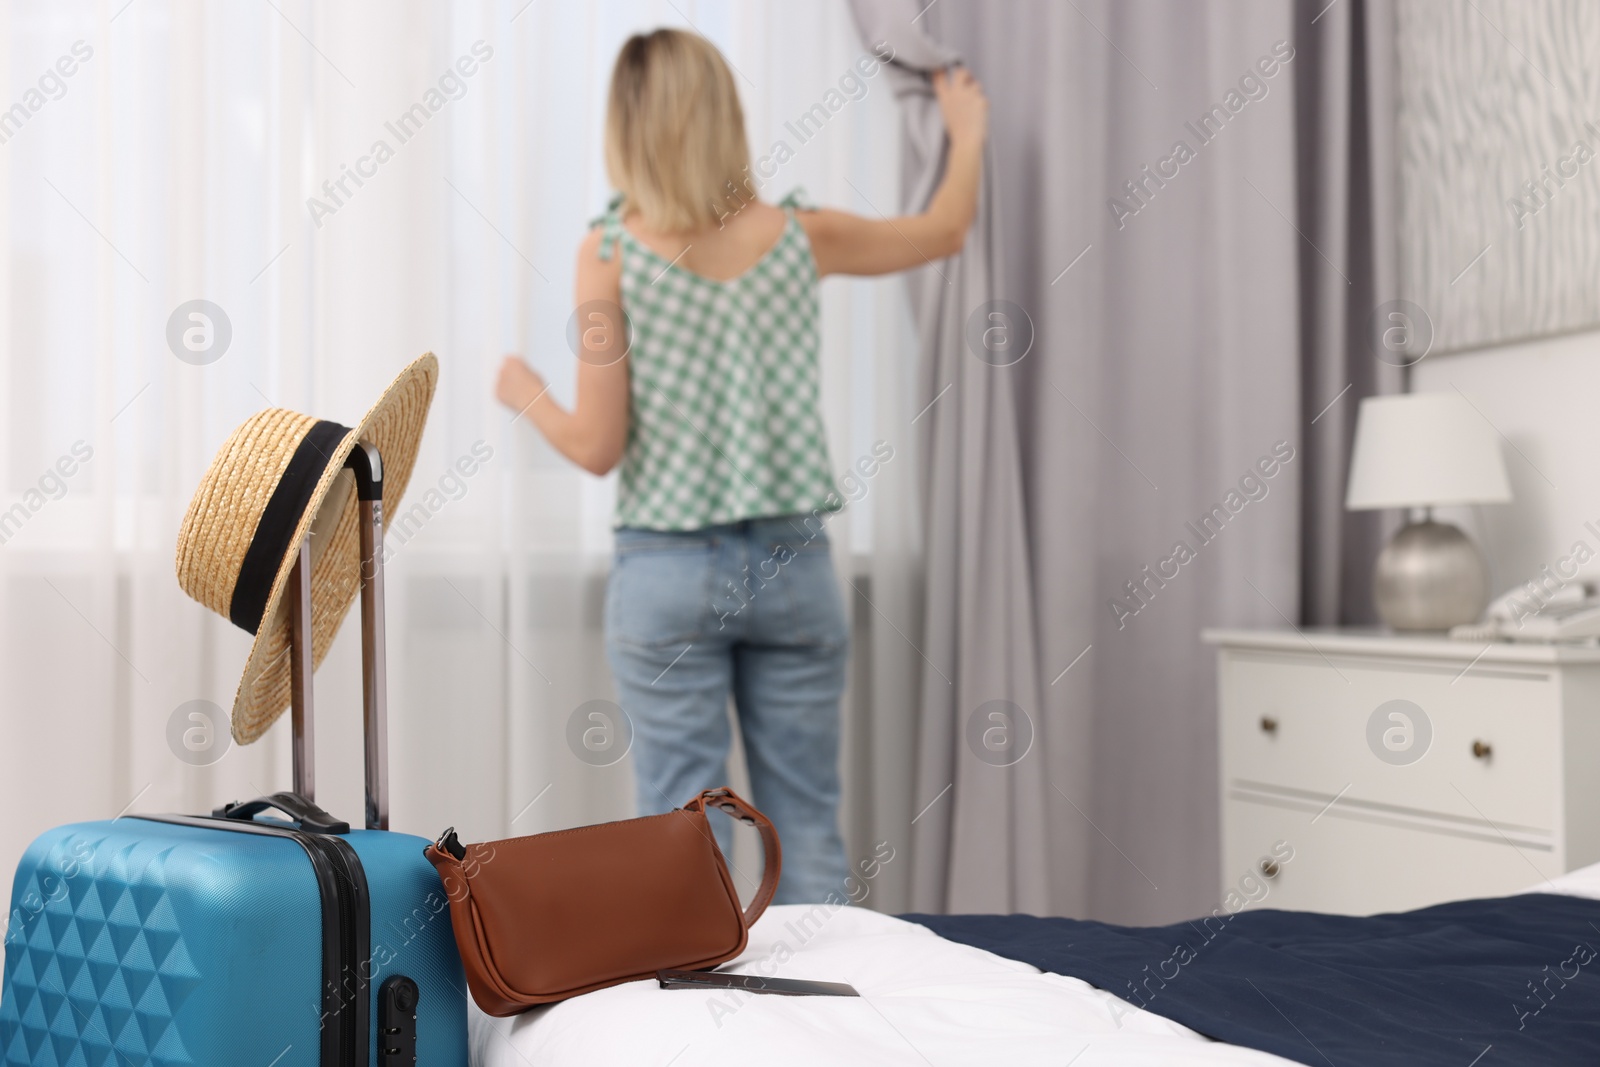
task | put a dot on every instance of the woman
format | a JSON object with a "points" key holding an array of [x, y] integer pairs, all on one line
{"points": [[706, 394]]}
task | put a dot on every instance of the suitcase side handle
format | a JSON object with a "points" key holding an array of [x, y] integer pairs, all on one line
{"points": [[310, 818], [366, 465]]}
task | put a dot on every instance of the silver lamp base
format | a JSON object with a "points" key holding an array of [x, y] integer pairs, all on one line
{"points": [[1430, 576]]}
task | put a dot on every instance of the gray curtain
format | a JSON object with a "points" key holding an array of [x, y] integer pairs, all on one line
{"points": [[978, 838], [1345, 140], [1180, 311]]}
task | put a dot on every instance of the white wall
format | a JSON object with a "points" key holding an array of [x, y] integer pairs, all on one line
{"points": [[1542, 396]]}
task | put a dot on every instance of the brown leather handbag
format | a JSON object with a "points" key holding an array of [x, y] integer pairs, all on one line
{"points": [[543, 918]]}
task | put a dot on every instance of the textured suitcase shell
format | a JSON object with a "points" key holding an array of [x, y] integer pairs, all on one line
{"points": [[140, 942]]}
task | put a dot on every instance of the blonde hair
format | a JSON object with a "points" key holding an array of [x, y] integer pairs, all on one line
{"points": [[675, 141]]}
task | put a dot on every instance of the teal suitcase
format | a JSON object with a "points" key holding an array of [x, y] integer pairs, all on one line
{"points": [[268, 933]]}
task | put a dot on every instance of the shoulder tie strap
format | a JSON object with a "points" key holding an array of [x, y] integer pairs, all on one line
{"points": [[797, 200], [610, 224]]}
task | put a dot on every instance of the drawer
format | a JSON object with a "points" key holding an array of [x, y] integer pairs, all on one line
{"points": [[1354, 866], [1302, 724]]}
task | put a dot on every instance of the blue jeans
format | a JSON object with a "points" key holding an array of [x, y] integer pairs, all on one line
{"points": [[748, 609]]}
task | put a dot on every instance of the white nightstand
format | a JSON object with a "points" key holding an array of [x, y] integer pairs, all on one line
{"points": [[1403, 771]]}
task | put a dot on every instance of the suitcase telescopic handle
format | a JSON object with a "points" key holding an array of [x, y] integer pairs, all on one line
{"points": [[366, 465]]}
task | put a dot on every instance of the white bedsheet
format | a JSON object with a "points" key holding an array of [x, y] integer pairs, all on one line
{"points": [[925, 1000]]}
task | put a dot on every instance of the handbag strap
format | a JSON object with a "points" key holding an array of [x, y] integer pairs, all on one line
{"points": [[447, 854], [740, 809]]}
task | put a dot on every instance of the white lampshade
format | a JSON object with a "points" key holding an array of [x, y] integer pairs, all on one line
{"points": [[1424, 450]]}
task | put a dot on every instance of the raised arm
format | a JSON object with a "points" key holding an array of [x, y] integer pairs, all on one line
{"points": [[594, 433], [852, 244]]}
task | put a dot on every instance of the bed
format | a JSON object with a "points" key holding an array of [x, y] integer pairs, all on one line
{"points": [[926, 1000]]}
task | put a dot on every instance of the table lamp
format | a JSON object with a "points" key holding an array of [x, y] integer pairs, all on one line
{"points": [[1426, 450]]}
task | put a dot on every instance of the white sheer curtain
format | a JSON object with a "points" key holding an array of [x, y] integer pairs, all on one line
{"points": [[177, 162]]}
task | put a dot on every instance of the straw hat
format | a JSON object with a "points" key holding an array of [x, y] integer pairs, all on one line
{"points": [[277, 480]]}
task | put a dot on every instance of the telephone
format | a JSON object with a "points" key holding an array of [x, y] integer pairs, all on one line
{"points": [[1571, 613]]}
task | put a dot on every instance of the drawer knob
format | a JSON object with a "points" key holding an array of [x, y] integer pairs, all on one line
{"points": [[1269, 868], [1269, 725], [1481, 750]]}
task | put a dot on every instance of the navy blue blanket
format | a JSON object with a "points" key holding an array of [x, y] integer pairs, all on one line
{"points": [[1485, 982]]}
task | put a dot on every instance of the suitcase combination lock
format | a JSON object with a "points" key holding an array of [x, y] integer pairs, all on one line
{"points": [[397, 1022]]}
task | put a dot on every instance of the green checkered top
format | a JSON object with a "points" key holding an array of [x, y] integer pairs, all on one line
{"points": [[724, 419]]}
